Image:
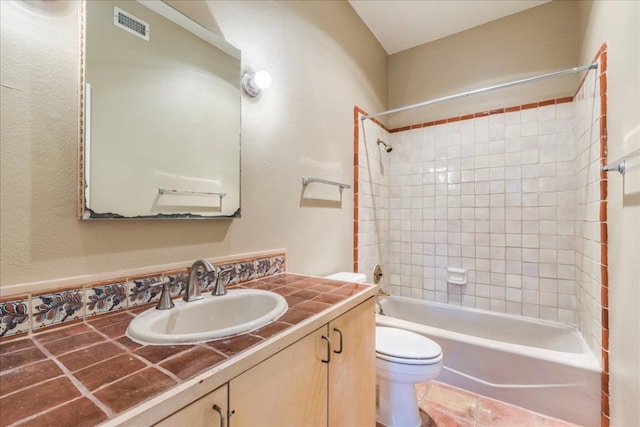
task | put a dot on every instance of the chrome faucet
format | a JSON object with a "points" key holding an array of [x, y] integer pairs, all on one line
{"points": [[192, 292]]}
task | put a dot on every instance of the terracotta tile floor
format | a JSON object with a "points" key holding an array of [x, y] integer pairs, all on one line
{"points": [[445, 406]]}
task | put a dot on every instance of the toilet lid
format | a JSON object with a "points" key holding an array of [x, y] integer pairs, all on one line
{"points": [[397, 343]]}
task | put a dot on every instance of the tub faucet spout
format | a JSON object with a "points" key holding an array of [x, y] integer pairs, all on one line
{"points": [[381, 294], [192, 292]]}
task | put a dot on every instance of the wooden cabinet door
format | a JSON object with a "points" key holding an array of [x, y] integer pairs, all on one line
{"points": [[288, 389], [352, 371], [209, 410]]}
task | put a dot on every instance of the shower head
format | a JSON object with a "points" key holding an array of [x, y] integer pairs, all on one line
{"points": [[387, 147]]}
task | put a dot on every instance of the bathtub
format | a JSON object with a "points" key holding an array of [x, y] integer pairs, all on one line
{"points": [[543, 366]]}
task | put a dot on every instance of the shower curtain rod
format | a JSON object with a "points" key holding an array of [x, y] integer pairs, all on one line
{"points": [[485, 89]]}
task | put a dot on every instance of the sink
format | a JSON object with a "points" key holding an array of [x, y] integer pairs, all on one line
{"points": [[208, 319]]}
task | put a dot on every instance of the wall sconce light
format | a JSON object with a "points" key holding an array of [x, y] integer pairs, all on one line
{"points": [[254, 83]]}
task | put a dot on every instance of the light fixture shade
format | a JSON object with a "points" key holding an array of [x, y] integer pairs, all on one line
{"points": [[254, 83], [262, 79]]}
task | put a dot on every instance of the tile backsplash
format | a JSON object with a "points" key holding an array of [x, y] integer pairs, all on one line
{"points": [[21, 314]]}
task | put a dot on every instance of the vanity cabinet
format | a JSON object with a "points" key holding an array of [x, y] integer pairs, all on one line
{"points": [[209, 410], [288, 389], [325, 379], [352, 371]]}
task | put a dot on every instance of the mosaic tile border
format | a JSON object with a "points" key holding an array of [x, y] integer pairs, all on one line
{"points": [[22, 314]]}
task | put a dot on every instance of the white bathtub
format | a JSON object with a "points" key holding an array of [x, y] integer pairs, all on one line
{"points": [[539, 365]]}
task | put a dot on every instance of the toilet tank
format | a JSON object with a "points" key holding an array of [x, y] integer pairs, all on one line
{"points": [[348, 277]]}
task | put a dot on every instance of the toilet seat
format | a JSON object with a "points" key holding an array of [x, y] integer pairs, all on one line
{"points": [[405, 347]]}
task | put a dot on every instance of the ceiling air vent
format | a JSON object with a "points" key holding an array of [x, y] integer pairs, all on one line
{"points": [[130, 23]]}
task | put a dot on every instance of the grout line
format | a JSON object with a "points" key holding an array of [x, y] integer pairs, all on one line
{"points": [[130, 352], [81, 388]]}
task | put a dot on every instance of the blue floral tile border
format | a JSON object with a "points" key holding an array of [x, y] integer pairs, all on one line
{"points": [[22, 314], [57, 307], [15, 316], [277, 265], [143, 290], [177, 282], [106, 297]]}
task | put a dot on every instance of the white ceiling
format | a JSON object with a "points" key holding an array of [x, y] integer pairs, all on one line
{"points": [[403, 24]]}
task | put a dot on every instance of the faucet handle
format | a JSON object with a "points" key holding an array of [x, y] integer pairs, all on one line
{"points": [[219, 288], [165, 302]]}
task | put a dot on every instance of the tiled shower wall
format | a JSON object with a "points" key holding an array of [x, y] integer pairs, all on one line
{"points": [[371, 168], [589, 125], [513, 197], [493, 195]]}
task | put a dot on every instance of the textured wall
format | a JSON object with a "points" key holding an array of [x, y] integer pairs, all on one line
{"points": [[323, 61], [618, 24], [537, 41]]}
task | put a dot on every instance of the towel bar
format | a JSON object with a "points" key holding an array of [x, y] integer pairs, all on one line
{"points": [[308, 180], [162, 190]]}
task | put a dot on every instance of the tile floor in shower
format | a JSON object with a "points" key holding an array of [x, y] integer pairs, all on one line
{"points": [[445, 406]]}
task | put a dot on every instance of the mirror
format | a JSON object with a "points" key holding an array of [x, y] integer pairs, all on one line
{"points": [[160, 126]]}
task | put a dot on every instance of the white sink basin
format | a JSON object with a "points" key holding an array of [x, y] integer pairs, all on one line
{"points": [[208, 319]]}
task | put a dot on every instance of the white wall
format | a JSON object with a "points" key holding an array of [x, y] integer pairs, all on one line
{"points": [[533, 42], [323, 61], [618, 24]]}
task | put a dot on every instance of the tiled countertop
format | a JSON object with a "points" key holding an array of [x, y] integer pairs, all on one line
{"points": [[90, 373]]}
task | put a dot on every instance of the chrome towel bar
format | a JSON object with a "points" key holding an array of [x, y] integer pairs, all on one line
{"points": [[162, 190], [308, 180]]}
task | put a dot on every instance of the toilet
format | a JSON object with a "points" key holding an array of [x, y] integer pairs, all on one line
{"points": [[403, 359]]}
